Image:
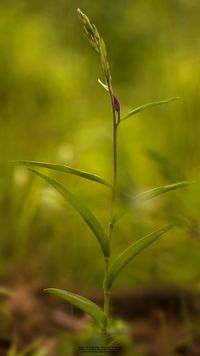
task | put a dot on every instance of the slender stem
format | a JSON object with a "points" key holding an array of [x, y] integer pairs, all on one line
{"points": [[106, 299], [116, 120], [114, 190], [106, 305]]}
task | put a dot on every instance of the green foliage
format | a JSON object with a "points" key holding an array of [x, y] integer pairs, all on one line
{"points": [[86, 214], [35, 348], [113, 270], [147, 106], [118, 340], [64, 168], [82, 303], [126, 256], [152, 193], [52, 110], [32, 96]]}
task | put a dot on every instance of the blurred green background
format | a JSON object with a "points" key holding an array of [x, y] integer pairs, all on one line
{"points": [[53, 109]]}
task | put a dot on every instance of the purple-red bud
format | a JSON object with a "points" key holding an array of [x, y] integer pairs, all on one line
{"points": [[116, 103]]}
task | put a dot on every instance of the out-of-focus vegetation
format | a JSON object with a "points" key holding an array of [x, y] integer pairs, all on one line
{"points": [[53, 109]]}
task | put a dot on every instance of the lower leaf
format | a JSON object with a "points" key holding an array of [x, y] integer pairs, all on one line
{"points": [[82, 303], [127, 255]]}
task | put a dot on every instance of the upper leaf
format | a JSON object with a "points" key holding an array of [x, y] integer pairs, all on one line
{"points": [[149, 194], [63, 168], [82, 303], [127, 255], [86, 214], [146, 106]]}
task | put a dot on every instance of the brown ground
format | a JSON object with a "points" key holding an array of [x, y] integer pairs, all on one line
{"points": [[162, 322]]}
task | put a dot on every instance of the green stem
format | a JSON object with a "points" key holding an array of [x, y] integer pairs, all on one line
{"points": [[116, 120], [106, 299], [106, 305]]}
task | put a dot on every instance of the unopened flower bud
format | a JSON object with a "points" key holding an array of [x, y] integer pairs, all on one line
{"points": [[116, 103]]}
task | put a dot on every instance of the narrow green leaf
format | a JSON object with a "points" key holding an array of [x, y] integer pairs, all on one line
{"points": [[82, 303], [149, 194], [103, 85], [147, 106], [66, 169], [86, 214], [127, 255]]}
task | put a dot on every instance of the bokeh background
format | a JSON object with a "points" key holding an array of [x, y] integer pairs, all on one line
{"points": [[53, 109]]}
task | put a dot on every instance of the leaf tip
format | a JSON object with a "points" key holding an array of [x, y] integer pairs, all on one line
{"points": [[175, 98], [48, 290]]}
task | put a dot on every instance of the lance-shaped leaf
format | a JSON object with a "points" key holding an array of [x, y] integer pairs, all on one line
{"points": [[82, 303], [149, 194], [147, 106], [86, 214], [127, 255], [66, 169]]}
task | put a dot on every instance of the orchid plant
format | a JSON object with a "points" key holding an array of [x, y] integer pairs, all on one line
{"points": [[113, 267]]}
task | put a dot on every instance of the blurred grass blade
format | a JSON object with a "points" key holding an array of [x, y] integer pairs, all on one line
{"points": [[103, 85], [149, 194], [63, 168], [82, 303], [13, 349], [147, 106], [86, 214], [33, 349], [127, 255], [4, 292]]}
